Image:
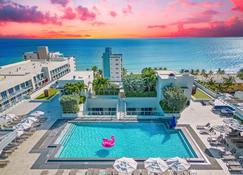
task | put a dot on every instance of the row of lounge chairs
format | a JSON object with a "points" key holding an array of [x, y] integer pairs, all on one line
{"points": [[206, 129], [7, 151]]}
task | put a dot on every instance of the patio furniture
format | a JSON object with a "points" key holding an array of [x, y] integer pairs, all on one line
{"points": [[178, 164], [235, 169], [222, 129], [203, 126], [3, 162], [229, 158], [231, 121], [125, 165], [233, 163], [208, 131], [73, 172], [59, 172], [44, 172], [156, 165]]}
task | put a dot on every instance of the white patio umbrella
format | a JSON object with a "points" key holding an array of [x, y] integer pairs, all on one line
{"points": [[125, 165], [20, 133], [37, 113], [178, 164], [222, 128], [30, 122], [12, 116], [32, 119], [230, 121], [156, 165]]}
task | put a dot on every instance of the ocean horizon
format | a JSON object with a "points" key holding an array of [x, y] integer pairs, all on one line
{"points": [[172, 53]]}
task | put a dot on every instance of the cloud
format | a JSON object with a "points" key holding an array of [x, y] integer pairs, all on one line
{"points": [[84, 14], [238, 5], [156, 26], [69, 14], [60, 2], [113, 14], [200, 17], [14, 12], [203, 4], [230, 27], [98, 23], [63, 34], [127, 10]]}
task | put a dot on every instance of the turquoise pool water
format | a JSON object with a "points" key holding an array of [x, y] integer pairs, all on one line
{"points": [[133, 139]]}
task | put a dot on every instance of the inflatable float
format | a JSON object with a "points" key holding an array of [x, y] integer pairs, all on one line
{"points": [[108, 143]]}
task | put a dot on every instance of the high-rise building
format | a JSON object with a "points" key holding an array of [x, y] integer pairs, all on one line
{"points": [[112, 65]]}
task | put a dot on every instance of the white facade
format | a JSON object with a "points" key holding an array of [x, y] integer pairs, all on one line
{"points": [[19, 80], [76, 76], [166, 78], [116, 68]]}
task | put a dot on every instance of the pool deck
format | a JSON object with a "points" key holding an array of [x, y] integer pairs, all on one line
{"points": [[22, 160]]}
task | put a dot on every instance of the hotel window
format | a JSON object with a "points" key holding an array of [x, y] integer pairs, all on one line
{"points": [[11, 91], [22, 85], [17, 88], [4, 95]]}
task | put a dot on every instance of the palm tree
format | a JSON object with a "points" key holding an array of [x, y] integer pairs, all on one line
{"points": [[197, 71], [149, 76], [94, 69], [71, 89], [229, 81], [182, 71]]}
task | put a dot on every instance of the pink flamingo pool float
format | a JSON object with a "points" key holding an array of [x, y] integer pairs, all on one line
{"points": [[108, 143]]}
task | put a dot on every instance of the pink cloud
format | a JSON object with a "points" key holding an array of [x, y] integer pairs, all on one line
{"points": [[113, 14], [238, 5], [60, 2], [14, 12], [84, 14], [230, 27], [204, 4], [156, 26], [96, 10], [127, 10], [69, 14], [98, 23]]}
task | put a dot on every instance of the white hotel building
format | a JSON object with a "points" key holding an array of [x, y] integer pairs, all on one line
{"points": [[19, 80]]}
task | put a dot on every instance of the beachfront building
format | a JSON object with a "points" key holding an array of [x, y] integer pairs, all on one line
{"points": [[112, 65], [19, 80], [166, 78]]}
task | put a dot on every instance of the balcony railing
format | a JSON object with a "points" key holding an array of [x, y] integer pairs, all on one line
{"points": [[135, 113]]}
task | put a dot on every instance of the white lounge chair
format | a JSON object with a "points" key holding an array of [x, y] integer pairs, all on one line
{"points": [[208, 131], [203, 126]]}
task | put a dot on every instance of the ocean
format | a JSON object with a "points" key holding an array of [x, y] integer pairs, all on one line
{"points": [[173, 53]]}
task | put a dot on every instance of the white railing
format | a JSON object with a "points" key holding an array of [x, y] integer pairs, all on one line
{"points": [[154, 113]]}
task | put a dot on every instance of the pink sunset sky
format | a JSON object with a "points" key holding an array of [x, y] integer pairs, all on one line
{"points": [[120, 18]]}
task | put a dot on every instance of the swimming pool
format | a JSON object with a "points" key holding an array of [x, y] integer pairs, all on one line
{"points": [[132, 139]]}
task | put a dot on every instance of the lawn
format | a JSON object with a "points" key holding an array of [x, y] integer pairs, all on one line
{"points": [[201, 95], [52, 92]]}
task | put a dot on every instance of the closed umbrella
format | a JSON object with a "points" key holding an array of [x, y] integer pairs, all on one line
{"points": [[156, 165], [125, 165], [178, 164]]}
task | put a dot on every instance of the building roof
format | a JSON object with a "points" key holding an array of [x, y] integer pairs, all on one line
{"points": [[165, 74], [17, 73], [77, 75]]}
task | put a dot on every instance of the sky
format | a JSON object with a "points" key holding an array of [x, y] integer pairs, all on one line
{"points": [[120, 18]]}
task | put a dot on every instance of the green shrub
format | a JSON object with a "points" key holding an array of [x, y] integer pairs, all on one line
{"points": [[82, 99], [174, 99], [70, 103]]}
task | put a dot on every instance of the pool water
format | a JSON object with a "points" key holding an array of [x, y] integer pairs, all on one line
{"points": [[132, 139]]}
